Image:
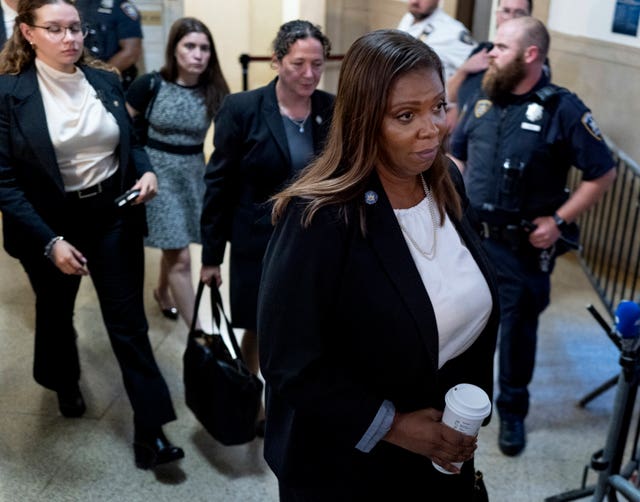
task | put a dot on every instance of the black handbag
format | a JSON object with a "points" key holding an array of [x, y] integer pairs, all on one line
{"points": [[219, 389]]}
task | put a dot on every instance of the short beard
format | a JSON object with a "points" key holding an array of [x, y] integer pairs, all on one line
{"points": [[500, 82], [419, 16]]}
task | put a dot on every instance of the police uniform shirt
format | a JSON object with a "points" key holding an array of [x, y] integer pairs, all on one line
{"points": [[109, 22], [554, 137], [448, 37]]}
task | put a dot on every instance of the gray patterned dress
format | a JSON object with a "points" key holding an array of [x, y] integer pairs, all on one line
{"points": [[178, 117]]}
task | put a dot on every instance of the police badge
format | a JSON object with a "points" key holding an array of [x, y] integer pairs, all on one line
{"points": [[482, 106], [534, 112]]}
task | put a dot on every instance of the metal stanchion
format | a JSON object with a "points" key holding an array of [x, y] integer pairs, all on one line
{"points": [[607, 462]]}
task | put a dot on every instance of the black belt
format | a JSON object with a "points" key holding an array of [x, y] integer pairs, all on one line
{"points": [[512, 235], [175, 149], [93, 190]]}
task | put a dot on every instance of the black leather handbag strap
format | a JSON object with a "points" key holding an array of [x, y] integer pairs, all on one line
{"points": [[218, 315]]}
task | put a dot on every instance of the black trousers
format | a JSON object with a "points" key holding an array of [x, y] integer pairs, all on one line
{"points": [[524, 294], [112, 243]]}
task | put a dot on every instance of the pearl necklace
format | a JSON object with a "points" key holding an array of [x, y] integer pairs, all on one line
{"points": [[429, 254]]}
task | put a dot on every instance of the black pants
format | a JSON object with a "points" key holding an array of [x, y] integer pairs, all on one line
{"points": [[524, 294], [112, 244]]}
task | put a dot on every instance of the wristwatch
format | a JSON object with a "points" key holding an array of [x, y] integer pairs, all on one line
{"points": [[560, 223]]}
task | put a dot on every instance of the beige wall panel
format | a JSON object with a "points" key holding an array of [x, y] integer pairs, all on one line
{"points": [[386, 13], [604, 75], [541, 10]]}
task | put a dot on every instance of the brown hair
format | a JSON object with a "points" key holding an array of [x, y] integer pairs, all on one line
{"points": [[339, 175], [299, 29], [212, 81], [17, 53]]}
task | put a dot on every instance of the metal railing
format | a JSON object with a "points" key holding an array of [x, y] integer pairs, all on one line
{"points": [[610, 235], [245, 59]]}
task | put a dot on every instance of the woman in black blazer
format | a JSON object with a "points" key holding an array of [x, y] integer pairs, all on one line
{"points": [[262, 139], [66, 152], [376, 297]]}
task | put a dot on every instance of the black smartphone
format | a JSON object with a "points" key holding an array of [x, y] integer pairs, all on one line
{"points": [[127, 197]]}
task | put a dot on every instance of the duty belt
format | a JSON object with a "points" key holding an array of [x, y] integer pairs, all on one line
{"points": [[508, 234]]}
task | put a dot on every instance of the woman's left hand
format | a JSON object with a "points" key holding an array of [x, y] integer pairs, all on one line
{"points": [[148, 186]]}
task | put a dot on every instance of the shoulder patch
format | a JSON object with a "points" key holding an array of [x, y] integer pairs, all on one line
{"points": [[130, 10], [481, 107], [590, 125], [466, 38]]}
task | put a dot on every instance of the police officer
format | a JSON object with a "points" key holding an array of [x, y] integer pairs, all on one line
{"points": [[519, 139], [8, 13], [115, 34], [446, 36]]}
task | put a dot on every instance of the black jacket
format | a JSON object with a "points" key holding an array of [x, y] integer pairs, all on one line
{"points": [[31, 187], [250, 163], [345, 322]]}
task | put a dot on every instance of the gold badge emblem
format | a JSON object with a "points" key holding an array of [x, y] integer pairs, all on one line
{"points": [[482, 106]]}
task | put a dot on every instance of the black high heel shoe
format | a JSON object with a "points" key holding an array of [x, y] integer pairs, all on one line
{"points": [[151, 448], [71, 403], [168, 312]]}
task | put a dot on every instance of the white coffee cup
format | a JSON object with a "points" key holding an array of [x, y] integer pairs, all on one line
{"points": [[466, 406]]}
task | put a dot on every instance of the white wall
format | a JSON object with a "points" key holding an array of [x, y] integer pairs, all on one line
{"points": [[587, 18]]}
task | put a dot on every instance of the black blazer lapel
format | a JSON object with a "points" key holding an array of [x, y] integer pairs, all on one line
{"points": [[31, 120], [385, 236], [273, 118]]}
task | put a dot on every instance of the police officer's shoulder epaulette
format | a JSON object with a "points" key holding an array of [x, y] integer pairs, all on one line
{"points": [[546, 93]]}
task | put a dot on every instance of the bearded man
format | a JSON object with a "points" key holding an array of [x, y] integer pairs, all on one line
{"points": [[515, 144]]}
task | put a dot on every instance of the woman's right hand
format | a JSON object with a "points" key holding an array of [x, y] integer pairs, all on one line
{"points": [[68, 259], [209, 273], [423, 432]]}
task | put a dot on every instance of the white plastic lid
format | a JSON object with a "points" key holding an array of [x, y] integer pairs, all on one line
{"points": [[468, 400]]}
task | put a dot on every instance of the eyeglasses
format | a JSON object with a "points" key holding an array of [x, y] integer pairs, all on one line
{"points": [[57, 32], [506, 11]]}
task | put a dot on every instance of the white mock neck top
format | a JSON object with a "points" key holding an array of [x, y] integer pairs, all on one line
{"points": [[84, 134]]}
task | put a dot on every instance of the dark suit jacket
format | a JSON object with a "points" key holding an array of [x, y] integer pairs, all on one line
{"points": [[31, 188], [250, 163], [344, 322]]}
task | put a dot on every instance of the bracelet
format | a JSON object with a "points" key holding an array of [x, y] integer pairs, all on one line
{"points": [[49, 247]]}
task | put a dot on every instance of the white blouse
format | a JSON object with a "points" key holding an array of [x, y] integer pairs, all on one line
{"points": [[84, 134], [456, 287]]}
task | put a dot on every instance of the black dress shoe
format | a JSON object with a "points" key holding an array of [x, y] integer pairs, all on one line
{"points": [[168, 312], [71, 402], [152, 448], [511, 439]]}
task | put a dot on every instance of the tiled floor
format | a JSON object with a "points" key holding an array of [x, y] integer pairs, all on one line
{"points": [[45, 457]]}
